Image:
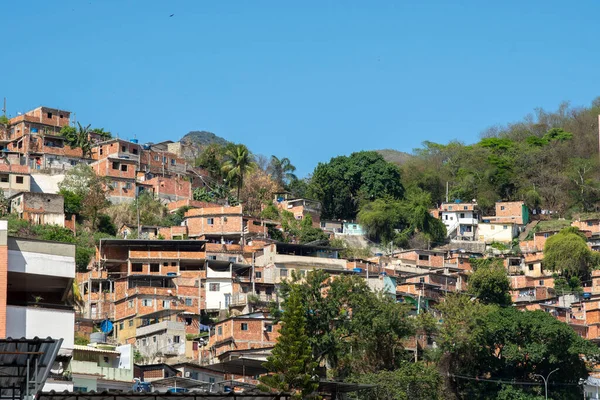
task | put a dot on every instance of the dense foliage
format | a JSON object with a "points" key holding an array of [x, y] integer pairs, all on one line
{"points": [[345, 182]]}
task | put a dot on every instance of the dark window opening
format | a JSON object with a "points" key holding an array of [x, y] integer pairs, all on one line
{"points": [[154, 268], [137, 267], [19, 179], [124, 168], [49, 115], [115, 165]]}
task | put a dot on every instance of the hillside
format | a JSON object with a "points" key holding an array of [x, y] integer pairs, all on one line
{"points": [[202, 138], [394, 156]]}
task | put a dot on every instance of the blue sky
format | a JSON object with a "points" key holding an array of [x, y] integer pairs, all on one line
{"points": [[308, 80]]}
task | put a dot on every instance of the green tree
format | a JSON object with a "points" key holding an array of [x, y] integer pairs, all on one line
{"points": [[238, 163], [568, 253], [380, 219], [411, 381], [72, 201], [211, 159], [78, 138], [506, 344], [291, 363], [344, 182], [94, 201], [105, 135], [490, 284], [309, 233], [78, 179], [281, 170]]}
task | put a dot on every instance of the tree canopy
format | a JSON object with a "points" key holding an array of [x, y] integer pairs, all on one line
{"points": [[346, 181], [568, 253]]}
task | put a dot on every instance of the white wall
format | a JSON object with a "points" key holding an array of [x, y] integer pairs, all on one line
{"points": [[30, 322], [216, 300], [41, 264], [42, 183], [496, 232]]}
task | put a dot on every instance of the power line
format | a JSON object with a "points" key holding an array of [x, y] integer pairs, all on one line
{"points": [[473, 378]]}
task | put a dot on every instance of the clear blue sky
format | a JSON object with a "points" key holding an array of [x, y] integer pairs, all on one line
{"points": [[304, 79]]}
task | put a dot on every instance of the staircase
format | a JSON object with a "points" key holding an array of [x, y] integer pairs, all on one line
{"points": [[528, 229]]}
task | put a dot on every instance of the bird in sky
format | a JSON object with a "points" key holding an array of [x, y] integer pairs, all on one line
{"points": [[171, 15]]}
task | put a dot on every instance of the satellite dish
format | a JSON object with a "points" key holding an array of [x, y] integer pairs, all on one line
{"points": [[106, 326]]}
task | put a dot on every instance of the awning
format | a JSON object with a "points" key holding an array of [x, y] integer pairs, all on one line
{"points": [[25, 365]]}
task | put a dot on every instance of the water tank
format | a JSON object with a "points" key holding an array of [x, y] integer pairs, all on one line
{"points": [[133, 140], [98, 337], [587, 295], [146, 146], [34, 130], [357, 270]]}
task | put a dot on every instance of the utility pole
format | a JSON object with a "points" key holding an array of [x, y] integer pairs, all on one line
{"points": [[4, 108], [447, 181]]}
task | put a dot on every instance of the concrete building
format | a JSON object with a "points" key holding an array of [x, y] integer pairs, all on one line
{"points": [[501, 232], [101, 367], [461, 220], [39, 208], [300, 208], [515, 212], [35, 290], [14, 179]]}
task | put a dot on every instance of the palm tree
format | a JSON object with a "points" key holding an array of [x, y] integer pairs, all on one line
{"points": [[82, 139], [239, 163], [281, 170]]}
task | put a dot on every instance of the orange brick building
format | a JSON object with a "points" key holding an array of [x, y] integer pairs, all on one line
{"points": [[251, 331]]}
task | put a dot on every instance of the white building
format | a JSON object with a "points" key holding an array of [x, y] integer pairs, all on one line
{"points": [[39, 284], [100, 367], [461, 220]]}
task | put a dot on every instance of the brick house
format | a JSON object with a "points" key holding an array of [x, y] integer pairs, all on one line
{"points": [[243, 332], [300, 208], [510, 212]]}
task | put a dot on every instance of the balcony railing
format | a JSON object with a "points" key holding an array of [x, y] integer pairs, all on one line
{"points": [[242, 299], [160, 326]]}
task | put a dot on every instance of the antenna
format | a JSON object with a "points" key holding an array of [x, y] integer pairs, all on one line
{"points": [[4, 108]]}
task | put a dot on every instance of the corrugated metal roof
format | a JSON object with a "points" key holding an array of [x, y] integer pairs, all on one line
{"points": [[25, 365], [94, 349], [192, 395]]}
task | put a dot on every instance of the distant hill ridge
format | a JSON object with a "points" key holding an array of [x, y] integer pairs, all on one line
{"points": [[202, 138]]}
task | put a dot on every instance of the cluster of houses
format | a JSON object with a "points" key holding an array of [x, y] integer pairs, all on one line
{"points": [[188, 306]]}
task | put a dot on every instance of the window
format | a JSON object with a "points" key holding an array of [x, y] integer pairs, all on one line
{"points": [[101, 151], [214, 287], [210, 221], [531, 267], [79, 389], [268, 328], [130, 304], [244, 326], [449, 208], [115, 165], [258, 274], [147, 302], [19, 179], [188, 321], [462, 215], [174, 264], [189, 301], [121, 325], [154, 267], [176, 339], [465, 208], [49, 115], [144, 342], [541, 283], [124, 167], [211, 258], [220, 330], [283, 273], [164, 159], [590, 223], [134, 150], [3, 178], [123, 149], [232, 259], [421, 280], [166, 304], [172, 161], [504, 226], [153, 339], [130, 323], [211, 380], [546, 235], [156, 158], [502, 207], [137, 267], [423, 257]]}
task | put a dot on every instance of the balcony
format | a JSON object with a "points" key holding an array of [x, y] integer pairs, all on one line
{"points": [[30, 322], [315, 262], [468, 221], [108, 373], [160, 326], [242, 299], [126, 156]]}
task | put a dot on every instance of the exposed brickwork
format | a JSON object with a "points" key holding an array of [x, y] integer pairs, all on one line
{"points": [[214, 221], [230, 335]]}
